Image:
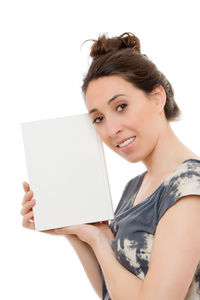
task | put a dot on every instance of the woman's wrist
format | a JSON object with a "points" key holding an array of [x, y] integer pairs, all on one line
{"points": [[101, 244]]}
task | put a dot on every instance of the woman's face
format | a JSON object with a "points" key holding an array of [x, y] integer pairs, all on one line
{"points": [[126, 119]]}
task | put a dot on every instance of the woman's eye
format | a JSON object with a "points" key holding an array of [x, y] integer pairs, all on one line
{"points": [[97, 119], [122, 105]]}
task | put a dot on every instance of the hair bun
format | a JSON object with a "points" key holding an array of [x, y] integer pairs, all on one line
{"points": [[104, 44]]}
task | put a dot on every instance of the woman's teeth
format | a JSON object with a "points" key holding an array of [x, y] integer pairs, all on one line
{"points": [[127, 142]]}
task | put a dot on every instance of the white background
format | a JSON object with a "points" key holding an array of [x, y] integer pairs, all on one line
{"points": [[41, 71]]}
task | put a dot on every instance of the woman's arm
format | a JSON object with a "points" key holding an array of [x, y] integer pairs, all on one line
{"points": [[174, 257], [83, 250]]}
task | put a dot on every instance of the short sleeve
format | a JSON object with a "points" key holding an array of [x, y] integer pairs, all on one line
{"points": [[185, 181]]}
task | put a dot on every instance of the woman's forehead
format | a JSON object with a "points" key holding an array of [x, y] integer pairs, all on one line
{"points": [[104, 88]]}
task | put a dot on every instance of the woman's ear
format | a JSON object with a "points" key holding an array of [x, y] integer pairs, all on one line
{"points": [[158, 95]]}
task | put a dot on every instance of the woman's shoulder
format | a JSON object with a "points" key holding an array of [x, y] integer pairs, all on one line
{"points": [[184, 181], [187, 170]]}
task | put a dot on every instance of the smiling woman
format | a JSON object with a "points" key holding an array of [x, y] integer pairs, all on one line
{"points": [[131, 104], [128, 110], [151, 249]]}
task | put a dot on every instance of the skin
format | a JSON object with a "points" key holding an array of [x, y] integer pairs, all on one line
{"points": [[142, 116]]}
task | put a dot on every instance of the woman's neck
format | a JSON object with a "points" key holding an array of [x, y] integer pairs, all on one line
{"points": [[168, 153]]}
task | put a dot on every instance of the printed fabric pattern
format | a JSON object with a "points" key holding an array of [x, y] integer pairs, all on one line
{"points": [[134, 227]]}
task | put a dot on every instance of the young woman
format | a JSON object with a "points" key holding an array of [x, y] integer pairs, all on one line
{"points": [[151, 249]]}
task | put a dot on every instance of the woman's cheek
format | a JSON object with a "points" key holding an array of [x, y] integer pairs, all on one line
{"points": [[102, 134]]}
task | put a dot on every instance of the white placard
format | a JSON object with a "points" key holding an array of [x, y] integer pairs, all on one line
{"points": [[67, 172]]}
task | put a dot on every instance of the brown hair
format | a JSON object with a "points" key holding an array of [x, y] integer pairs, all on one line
{"points": [[121, 56]]}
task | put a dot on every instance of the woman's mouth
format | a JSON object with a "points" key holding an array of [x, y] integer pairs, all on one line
{"points": [[127, 144]]}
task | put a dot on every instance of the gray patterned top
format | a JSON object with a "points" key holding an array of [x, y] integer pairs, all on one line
{"points": [[134, 226]]}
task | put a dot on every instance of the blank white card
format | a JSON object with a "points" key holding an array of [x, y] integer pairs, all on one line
{"points": [[67, 172]]}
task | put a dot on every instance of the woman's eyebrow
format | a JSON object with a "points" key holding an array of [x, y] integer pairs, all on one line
{"points": [[109, 101]]}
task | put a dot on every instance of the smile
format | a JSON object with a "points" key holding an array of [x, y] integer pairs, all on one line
{"points": [[126, 142]]}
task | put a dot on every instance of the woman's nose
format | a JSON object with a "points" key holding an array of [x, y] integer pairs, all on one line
{"points": [[113, 128]]}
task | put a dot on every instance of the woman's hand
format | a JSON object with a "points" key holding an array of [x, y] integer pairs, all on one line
{"points": [[89, 233], [27, 209]]}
